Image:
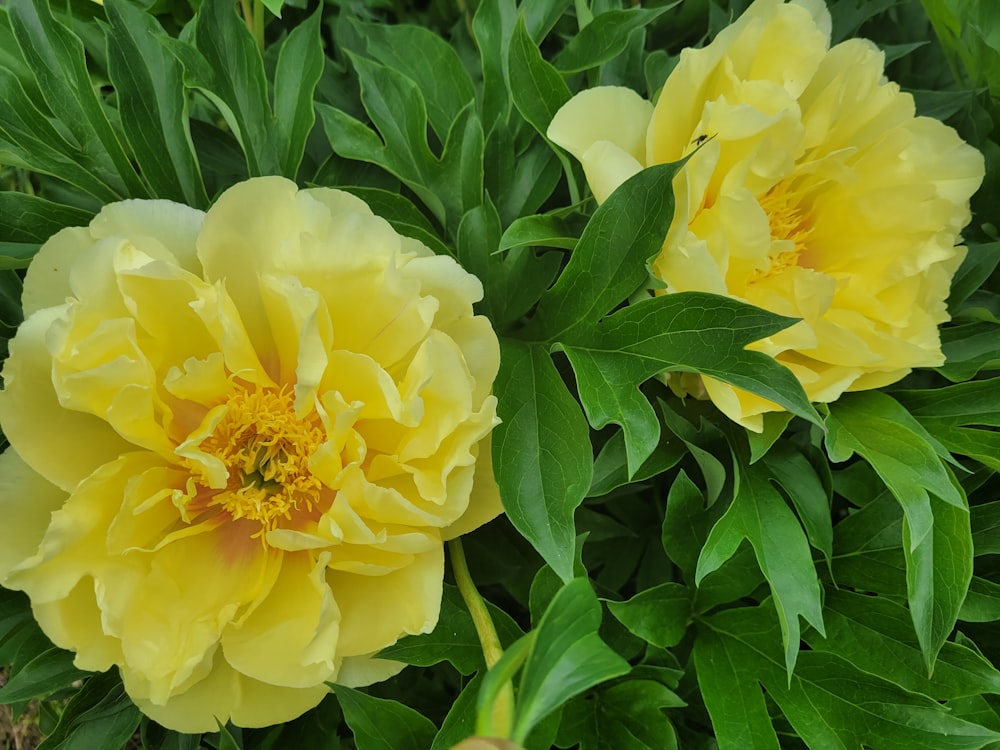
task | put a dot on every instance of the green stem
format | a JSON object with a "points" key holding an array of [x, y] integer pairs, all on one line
{"points": [[489, 641], [258, 23], [247, 13]]}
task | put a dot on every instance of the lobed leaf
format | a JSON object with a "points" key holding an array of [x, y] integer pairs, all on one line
{"points": [[152, 105], [937, 538], [828, 701], [380, 724], [759, 514]]}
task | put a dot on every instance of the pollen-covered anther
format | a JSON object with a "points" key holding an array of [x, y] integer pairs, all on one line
{"points": [[789, 222], [266, 450]]}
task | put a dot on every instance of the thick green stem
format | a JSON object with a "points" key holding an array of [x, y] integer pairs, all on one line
{"points": [[258, 23], [489, 641]]}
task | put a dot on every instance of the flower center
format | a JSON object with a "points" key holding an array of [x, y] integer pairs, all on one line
{"points": [[266, 451], [788, 222]]}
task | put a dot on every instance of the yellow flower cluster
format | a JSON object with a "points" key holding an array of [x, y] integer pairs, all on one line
{"points": [[238, 441], [814, 193]]}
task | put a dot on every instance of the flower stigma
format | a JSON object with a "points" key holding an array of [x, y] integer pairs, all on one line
{"points": [[266, 451]]}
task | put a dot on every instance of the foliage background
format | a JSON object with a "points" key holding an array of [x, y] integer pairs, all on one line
{"points": [[833, 582]]}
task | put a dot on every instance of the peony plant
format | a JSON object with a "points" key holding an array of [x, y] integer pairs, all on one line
{"points": [[499, 375], [810, 189]]}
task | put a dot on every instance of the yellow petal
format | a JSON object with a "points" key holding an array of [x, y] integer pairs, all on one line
{"points": [[290, 639], [72, 444], [377, 611], [27, 502]]}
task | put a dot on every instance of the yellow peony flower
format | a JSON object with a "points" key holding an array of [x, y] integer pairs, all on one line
{"points": [[816, 194], [238, 441]]}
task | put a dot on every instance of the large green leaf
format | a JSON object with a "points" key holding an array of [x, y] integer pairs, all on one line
{"points": [[689, 332], [230, 71], [541, 452], [760, 515], [828, 701], [876, 635], [448, 186], [152, 104], [954, 415], [300, 66], [380, 724], [537, 88], [429, 61], [567, 656], [56, 57], [605, 37], [49, 671], [493, 26], [937, 538], [610, 261], [626, 716], [659, 615], [99, 715], [29, 140]]}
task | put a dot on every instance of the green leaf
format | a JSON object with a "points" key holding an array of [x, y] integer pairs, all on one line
{"points": [[610, 260], [537, 88], [775, 423], [828, 701], [230, 72], [969, 349], [797, 477], [868, 548], [449, 186], [493, 26], [982, 603], [31, 219], [541, 452], [611, 464], [703, 443], [152, 105], [461, 719], [100, 714], [56, 56], [48, 672], [759, 514], [979, 263], [685, 524], [986, 528], [976, 402], [547, 230], [380, 724], [948, 414], [513, 282], [876, 635], [567, 656], [937, 540], [605, 37], [626, 716], [658, 615], [432, 64], [690, 332], [300, 66], [29, 140]]}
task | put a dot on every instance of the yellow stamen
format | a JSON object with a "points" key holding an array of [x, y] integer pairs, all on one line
{"points": [[266, 450], [788, 221]]}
